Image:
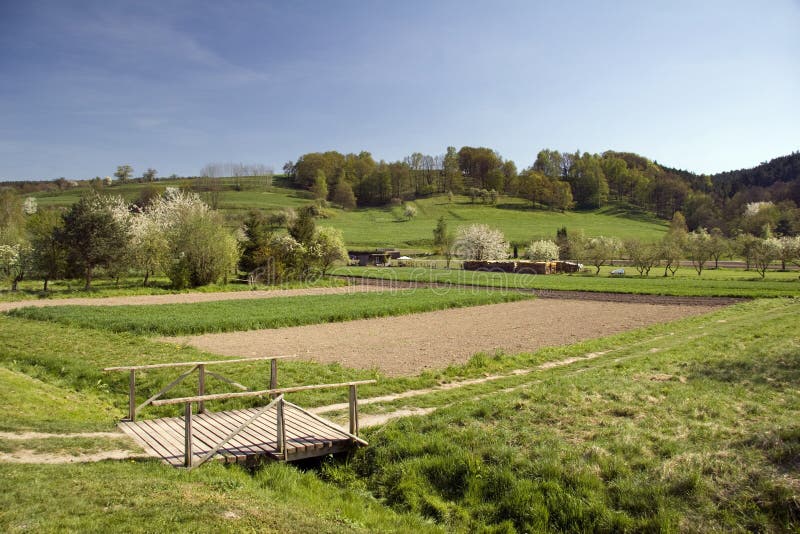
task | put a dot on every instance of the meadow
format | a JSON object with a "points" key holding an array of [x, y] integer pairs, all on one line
{"points": [[381, 227], [686, 282]]}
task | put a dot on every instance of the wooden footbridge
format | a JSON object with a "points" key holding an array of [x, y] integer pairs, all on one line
{"points": [[279, 431]]}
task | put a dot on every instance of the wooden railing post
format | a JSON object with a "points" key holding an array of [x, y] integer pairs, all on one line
{"points": [[281, 429], [273, 374], [201, 387], [353, 402], [132, 396], [187, 435]]}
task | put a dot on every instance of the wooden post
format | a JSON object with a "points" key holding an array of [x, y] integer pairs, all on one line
{"points": [[187, 435], [201, 387], [132, 396], [353, 401], [281, 429], [273, 374]]}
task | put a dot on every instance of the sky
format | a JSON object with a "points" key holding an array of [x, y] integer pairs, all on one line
{"points": [[86, 86]]}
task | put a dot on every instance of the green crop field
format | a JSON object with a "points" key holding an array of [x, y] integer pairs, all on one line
{"points": [[237, 315], [713, 283], [386, 227]]}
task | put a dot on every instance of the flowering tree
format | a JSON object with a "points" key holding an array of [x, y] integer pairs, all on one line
{"points": [[790, 250], [542, 250], [14, 262], [326, 248], [29, 206], [199, 249], [409, 211], [480, 242]]}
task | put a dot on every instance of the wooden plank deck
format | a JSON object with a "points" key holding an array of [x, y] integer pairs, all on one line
{"points": [[307, 436]]}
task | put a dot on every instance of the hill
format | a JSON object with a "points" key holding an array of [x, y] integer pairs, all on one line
{"points": [[386, 227]]}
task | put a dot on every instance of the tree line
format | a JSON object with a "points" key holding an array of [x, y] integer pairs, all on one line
{"points": [[481, 242], [172, 233]]}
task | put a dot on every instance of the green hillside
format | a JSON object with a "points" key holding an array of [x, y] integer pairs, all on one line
{"points": [[386, 227]]}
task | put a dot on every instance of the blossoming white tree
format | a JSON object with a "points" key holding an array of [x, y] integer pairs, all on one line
{"points": [[480, 242], [542, 250]]}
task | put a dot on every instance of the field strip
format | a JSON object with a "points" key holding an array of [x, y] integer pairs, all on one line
{"points": [[187, 298], [407, 345]]}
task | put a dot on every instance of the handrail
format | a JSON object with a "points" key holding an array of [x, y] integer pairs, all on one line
{"points": [[277, 391], [190, 364], [201, 379]]}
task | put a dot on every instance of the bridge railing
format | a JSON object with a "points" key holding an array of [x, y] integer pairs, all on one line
{"points": [[278, 402], [200, 367]]}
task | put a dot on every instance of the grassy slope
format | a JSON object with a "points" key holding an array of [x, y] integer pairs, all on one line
{"points": [[151, 497], [719, 283], [692, 431], [383, 227], [237, 315]]}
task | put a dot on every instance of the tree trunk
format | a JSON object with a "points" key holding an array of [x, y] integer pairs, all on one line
{"points": [[146, 277], [45, 285], [88, 278]]}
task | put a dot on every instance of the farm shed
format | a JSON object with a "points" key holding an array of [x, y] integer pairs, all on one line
{"points": [[373, 257]]}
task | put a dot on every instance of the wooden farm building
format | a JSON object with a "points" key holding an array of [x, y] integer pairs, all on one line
{"points": [[377, 257]]}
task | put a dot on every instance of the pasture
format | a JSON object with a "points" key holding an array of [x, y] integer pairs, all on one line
{"points": [[386, 226]]}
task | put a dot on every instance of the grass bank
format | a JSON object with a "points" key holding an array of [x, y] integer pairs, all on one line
{"points": [[147, 496]]}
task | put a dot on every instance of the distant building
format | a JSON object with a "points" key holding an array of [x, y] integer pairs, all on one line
{"points": [[377, 257]]}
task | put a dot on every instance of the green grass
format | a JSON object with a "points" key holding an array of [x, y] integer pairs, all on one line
{"points": [[150, 497], [382, 227], [713, 283], [693, 431], [385, 226], [132, 286], [27, 403], [236, 315]]}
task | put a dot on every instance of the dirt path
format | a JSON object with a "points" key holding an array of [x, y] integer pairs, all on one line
{"points": [[459, 384], [408, 345], [46, 435], [180, 298], [25, 456]]}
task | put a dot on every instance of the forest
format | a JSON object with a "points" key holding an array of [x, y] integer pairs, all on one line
{"points": [[760, 201]]}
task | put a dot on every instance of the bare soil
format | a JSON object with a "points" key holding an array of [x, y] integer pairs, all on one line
{"points": [[408, 345], [181, 298]]}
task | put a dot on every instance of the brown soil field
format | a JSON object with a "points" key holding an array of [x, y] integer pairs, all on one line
{"points": [[410, 344]]}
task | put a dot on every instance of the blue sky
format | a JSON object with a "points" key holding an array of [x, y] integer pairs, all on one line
{"points": [[86, 86]]}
